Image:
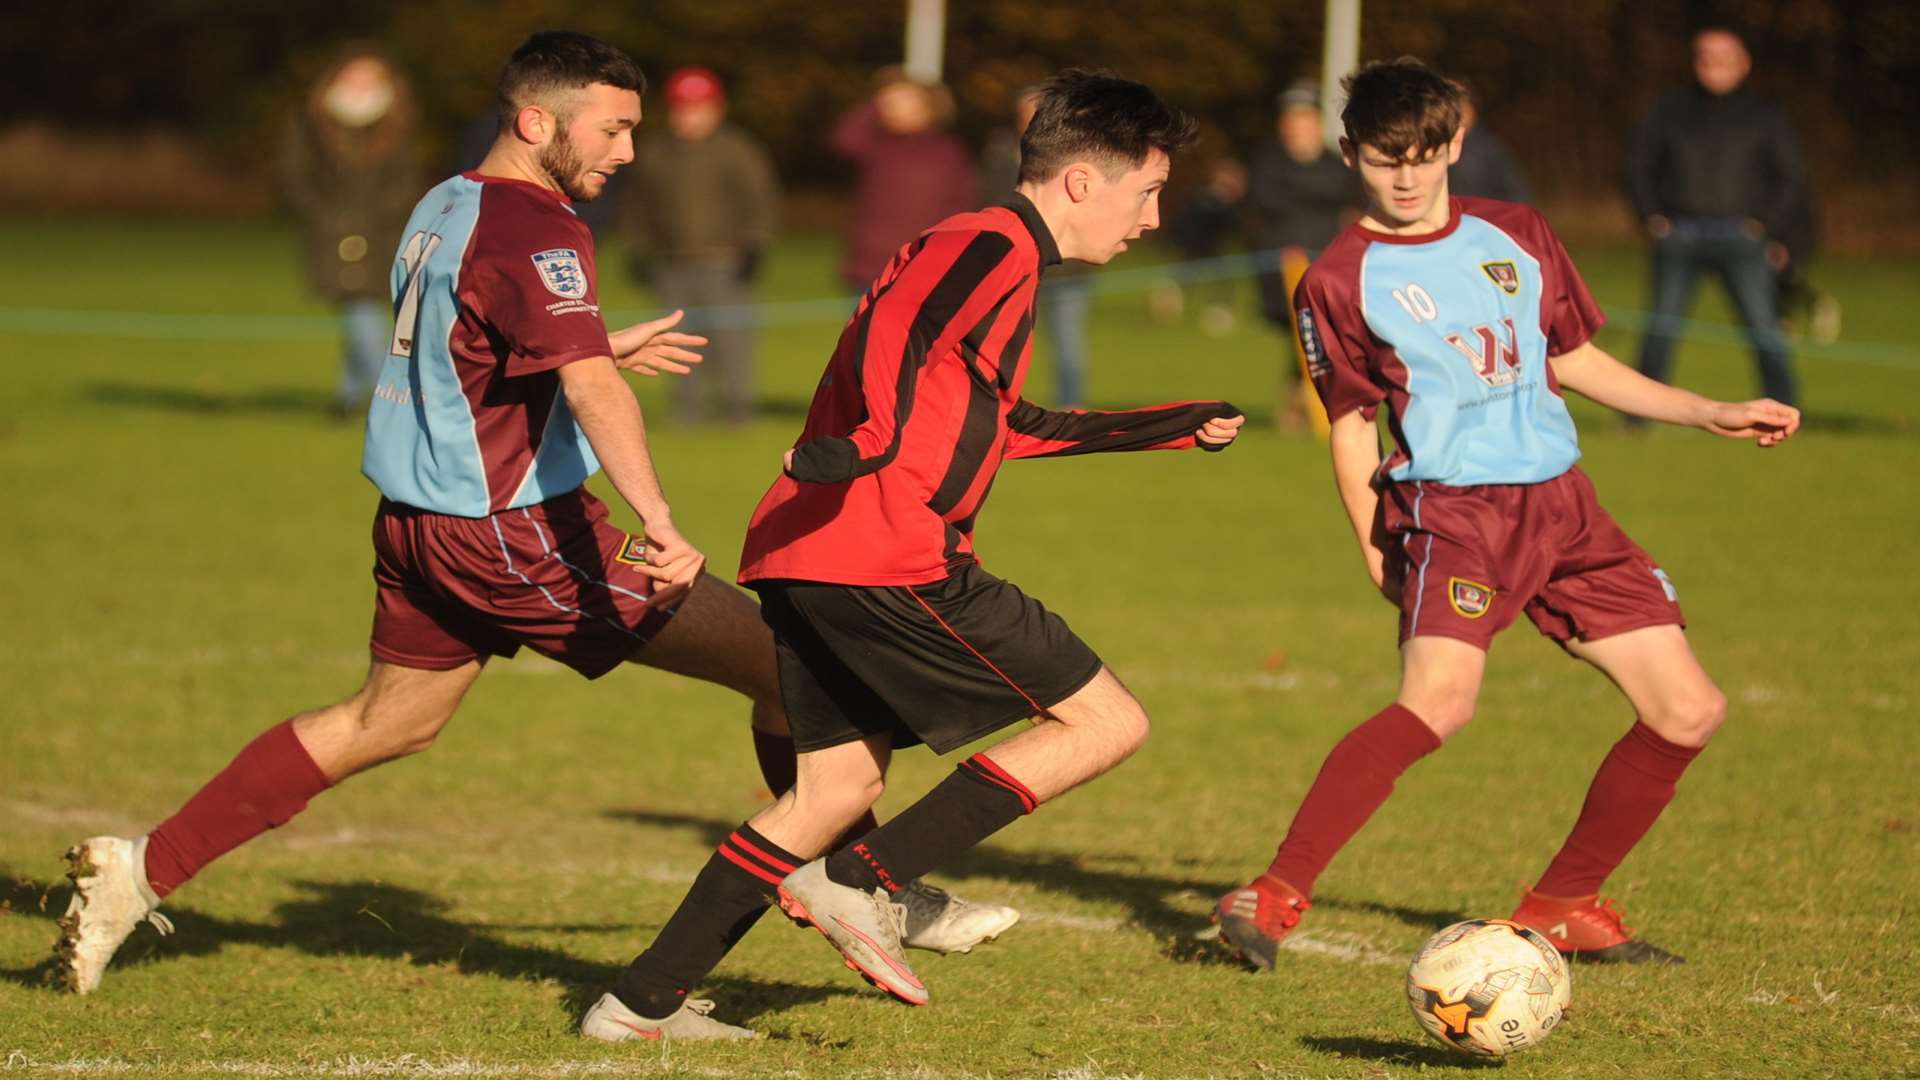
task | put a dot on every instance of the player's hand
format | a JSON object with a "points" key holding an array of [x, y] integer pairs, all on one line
{"points": [[671, 561], [786, 462], [655, 348], [1220, 431], [1764, 420], [1387, 579]]}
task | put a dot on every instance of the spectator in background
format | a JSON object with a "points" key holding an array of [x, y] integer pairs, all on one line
{"points": [[912, 172], [1301, 195], [1200, 229], [1716, 174], [1067, 293], [1487, 168], [702, 207], [348, 169]]}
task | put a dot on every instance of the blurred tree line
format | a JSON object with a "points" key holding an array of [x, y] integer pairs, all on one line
{"points": [[1565, 82]]}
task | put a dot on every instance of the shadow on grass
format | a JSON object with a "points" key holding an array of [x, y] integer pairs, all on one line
{"points": [[208, 402], [1407, 1052], [710, 830], [375, 919]]}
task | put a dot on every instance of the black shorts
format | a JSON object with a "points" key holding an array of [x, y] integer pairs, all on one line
{"points": [[943, 663]]}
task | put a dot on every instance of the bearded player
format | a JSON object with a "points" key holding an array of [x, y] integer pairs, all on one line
{"points": [[1465, 319], [501, 396]]}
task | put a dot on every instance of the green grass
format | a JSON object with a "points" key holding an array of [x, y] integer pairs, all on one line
{"points": [[187, 563]]}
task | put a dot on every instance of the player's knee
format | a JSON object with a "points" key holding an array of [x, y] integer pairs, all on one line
{"points": [[1123, 729], [1693, 720], [1445, 714], [391, 733]]}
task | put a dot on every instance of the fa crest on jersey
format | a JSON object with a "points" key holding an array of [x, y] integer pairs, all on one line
{"points": [[1504, 275], [1470, 598], [560, 272]]}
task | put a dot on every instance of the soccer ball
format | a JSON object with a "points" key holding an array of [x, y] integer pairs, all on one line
{"points": [[1488, 987]]}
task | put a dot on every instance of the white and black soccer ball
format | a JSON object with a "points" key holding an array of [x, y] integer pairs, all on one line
{"points": [[1488, 987]]}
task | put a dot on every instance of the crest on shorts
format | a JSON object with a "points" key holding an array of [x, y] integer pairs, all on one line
{"points": [[560, 272], [633, 552], [1470, 598], [1503, 275]]}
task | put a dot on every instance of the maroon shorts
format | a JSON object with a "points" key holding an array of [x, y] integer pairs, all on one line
{"points": [[1473, 558], [554, 577]]}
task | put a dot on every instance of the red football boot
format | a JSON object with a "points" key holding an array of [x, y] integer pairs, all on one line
{"points": [[1254, 918], [1589, 928]]}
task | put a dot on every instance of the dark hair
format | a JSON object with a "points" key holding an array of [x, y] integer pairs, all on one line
{"points": [[556, 62], [1096, 116], [1401, 108]]}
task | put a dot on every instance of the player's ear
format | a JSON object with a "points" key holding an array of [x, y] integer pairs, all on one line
{"points": [[1349, 153], [1453, 146], [533, 124], [1078, 181]]}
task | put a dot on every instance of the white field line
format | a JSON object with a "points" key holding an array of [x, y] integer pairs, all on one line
{"points": [[651, 1062]]}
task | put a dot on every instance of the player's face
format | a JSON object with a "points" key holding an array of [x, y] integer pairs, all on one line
{"points": [[1407, 194], [1119, 209], [595, 141]]}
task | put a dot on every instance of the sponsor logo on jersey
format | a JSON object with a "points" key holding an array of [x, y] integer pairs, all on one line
{"points": [[1504, 275], [1495, 359], [560, 272], [1470, 598], [1310, 344], [634, 551]]}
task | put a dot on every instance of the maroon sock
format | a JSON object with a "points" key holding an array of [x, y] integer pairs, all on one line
{"points": [[777, 768], [1634, 784], [1356, 778], [262, 788]]}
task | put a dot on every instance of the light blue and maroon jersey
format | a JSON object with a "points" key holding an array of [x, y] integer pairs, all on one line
{"points": [[493, 291], [1452, 331]]}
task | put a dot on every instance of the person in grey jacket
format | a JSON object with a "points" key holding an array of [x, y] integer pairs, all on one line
{"points": [[703, 207], [1716, 173]]}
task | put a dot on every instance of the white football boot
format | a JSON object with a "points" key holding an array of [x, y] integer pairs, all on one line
{"points": [[864, 926], [941, 922], [110, 897], [611, 1021]]}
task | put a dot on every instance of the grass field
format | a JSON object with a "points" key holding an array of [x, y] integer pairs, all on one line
{"points": [[186, 553]]}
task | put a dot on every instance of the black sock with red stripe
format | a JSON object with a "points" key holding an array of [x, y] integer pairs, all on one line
{"points": [[978, 800], [731, 893]]}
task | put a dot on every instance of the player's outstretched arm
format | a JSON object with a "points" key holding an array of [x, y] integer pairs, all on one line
{"points": [[655, 347], [1589, 371], [1037, 432], [1355, 444], [607, 412]]}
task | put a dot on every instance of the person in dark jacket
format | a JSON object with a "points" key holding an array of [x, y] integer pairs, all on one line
{"points": [[1301, 196], [349, 171], [1487, 168], [702, 207], [1716, 174], [912, 171]]}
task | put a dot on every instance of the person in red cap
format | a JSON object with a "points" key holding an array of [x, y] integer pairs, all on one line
{"points": [[703, 208]]}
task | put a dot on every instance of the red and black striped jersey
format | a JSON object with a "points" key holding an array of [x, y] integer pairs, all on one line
{"points": [[921, 403]]}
